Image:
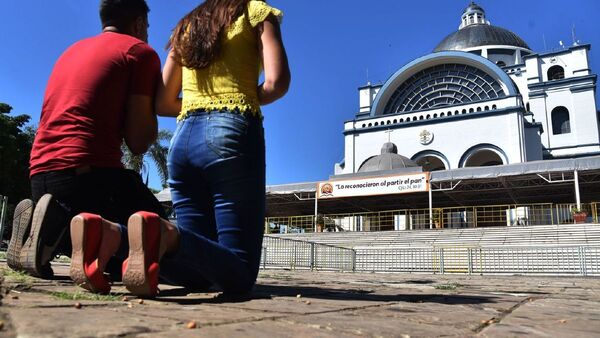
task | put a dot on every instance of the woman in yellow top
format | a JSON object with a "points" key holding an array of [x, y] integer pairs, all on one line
{"points": [[217, 156]]}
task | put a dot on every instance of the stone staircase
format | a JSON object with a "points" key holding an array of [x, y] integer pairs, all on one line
{"points": [[542, 235]]}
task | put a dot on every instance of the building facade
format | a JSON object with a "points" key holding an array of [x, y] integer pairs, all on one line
{"points": [[481, 98]]}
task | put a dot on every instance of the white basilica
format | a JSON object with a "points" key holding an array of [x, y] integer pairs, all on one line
{"points": [[482, 98]]}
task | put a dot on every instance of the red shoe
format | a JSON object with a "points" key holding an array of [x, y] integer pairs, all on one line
{"points": [[86, 236], [140, 270]]}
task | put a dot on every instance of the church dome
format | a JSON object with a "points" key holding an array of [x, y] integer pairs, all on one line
{"points": [[475, 31], [480, 35], [388, 160]]}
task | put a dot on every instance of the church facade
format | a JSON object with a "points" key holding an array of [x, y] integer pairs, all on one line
{"points": [[481, 98]]}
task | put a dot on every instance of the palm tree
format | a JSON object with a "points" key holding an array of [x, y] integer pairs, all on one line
{"points": [[157, 153]]}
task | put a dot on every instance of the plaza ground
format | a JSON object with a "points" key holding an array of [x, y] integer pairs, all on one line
{"points": [[311, 304]]}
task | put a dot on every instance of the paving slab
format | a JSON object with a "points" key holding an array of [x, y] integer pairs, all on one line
{"points": [[310, 304]]}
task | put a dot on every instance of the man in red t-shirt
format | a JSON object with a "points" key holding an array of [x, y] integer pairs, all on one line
{"points": [[100, 93]]}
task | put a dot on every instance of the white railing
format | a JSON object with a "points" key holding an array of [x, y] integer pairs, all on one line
{"points": [[541, 260], [295, 254], [280, 253]]}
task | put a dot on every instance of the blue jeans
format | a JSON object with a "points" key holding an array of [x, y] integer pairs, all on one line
{"points": [[217, 179]]}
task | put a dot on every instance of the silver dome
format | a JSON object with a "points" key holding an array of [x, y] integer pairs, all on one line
{"points": [[480, 35]]}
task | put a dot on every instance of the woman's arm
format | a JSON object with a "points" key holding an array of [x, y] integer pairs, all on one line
{"points": [[168, 102], [277, 70]]}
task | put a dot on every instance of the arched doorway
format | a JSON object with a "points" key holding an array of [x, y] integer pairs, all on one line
{"points": [[431, 160], [483, 158], [483, 155], [431, 163]]}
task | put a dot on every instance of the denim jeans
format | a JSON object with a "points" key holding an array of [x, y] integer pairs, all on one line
{"points": [[217, 179]]}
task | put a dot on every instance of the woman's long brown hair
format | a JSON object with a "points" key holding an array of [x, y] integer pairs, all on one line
{"points": [[196, 39]]}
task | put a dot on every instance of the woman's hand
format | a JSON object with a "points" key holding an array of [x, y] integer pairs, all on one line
{"points": [[168, 102], [274, 58]]}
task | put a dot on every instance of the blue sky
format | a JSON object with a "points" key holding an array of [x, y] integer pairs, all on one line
{"points": [[332, 46]]}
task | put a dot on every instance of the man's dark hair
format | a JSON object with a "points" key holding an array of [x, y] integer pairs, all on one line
{"points": [[120, 13]]}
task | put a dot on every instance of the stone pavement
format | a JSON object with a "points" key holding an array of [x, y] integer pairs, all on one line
{"points": [[311, 304]]}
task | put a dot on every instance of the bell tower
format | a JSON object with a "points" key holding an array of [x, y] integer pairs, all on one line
{"points": [[473, 15]]}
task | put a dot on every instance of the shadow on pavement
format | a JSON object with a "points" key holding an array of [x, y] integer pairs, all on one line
{"points": [[274, 291]]}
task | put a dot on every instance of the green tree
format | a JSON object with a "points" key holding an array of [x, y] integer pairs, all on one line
{"points": [[157, 154], [16, 139], [15, 145]]}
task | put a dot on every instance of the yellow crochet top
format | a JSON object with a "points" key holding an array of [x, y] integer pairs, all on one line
{"points": [[230, 81]]}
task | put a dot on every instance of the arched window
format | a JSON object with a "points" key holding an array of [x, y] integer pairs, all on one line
{"points": [[421, 117], [501, 64], [444, 85], [401, 120], [494, 106], [556, 73], [478, 108], [396, 121], [376, 124], [442, 114], [434, 116], [464, 111], [471, 110], [414, 118], [486, 108], [561, 124], [364, 125]]}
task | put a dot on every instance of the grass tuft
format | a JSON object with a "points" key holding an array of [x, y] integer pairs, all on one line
{"points": [[18, 277], [62, 259], [78, 295], [448, 286]]}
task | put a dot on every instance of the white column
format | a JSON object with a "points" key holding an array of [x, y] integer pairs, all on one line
{"points": [[430, 208], [577, 197]]}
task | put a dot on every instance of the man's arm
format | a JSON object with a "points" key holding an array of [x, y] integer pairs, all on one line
{"points": [[141, 125]]}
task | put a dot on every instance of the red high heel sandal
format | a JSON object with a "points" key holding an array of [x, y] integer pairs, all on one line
{"points": [[86, 236], [140, 270]]}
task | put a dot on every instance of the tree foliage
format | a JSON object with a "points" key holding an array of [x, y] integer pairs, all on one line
{"points": [[157, 154], [16, 139]]}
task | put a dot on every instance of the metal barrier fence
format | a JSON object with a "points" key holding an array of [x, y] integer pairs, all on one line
{"points": [[443, 218], [294, 254], [563, 260], [541, 260]]}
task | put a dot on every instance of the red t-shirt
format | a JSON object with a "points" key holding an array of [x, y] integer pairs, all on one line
{"points": [[82, 120]]}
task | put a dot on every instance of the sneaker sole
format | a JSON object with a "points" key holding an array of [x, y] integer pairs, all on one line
{"points": [[20, 231], [30, 257], [135, 276]]}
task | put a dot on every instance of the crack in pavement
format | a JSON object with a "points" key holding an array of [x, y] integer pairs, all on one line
{"points": [[496, 320]]}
